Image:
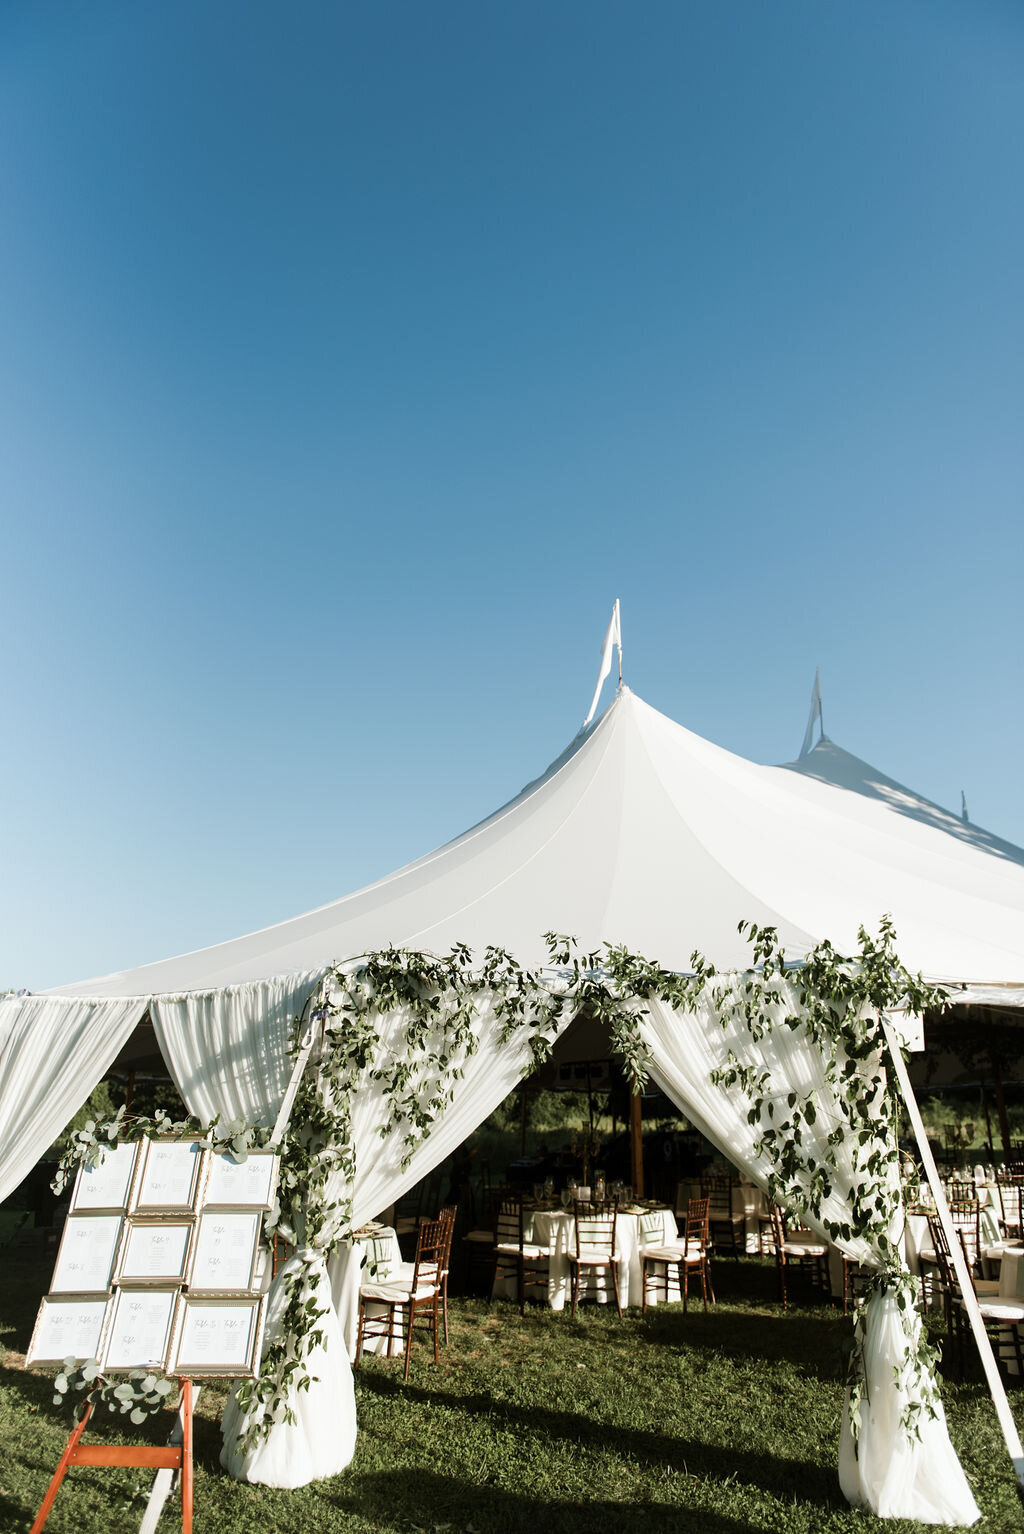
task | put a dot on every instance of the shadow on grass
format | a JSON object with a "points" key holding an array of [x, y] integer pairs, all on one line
{"points": [[423, 1500], [782, 1477], [818, 1344], [35, 1393]]}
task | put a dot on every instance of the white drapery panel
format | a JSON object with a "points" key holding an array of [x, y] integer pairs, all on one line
{"points": [[889, 1471], [228, 1050], [228, 1053], [52, 1053], [489, 1075]]}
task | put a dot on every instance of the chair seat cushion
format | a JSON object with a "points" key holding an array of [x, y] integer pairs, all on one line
{"points": [[484, 1236], [1000, 1310], [395, 1294], [670, 1254], [800, 1249], [593, 1259], [512, 1249]]}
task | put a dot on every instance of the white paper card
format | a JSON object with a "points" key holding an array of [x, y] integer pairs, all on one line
{"points": [[155, 1251], [216, 1337], [242, 1182], [67, 1329], [87, 1251], [106, 1186], [169, 1174], [225, 1249], [139, 1328]]}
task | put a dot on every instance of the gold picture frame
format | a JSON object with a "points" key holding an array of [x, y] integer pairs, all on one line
{"points": [[68, 1326], [107, 1187], [170, 1177], [155, 1250], [218, 1336], [88, 1253]]}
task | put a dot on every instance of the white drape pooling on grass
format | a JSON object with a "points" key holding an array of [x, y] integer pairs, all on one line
{"points": [[889, 1470], [53, 1051]]}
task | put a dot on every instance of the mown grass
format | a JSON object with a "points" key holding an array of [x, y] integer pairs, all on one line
{"points": [[725, 1423]]}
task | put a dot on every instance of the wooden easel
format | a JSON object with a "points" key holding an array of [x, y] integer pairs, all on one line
{"points": [[170, 1457]]}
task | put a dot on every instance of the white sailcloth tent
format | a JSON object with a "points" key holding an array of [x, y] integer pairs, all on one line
{"points": [[643, 833], [640, 833]]}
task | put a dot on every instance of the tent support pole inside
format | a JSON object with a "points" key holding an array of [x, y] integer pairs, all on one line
{"points": [[636, 1143], [995, 1384]]}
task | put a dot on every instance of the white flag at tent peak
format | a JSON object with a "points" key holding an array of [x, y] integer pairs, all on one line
{"points": [[815, 714], [612, 638]]}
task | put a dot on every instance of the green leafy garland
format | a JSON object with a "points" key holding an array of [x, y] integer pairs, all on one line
{"points": [[838, 1012], [418, 1071]]}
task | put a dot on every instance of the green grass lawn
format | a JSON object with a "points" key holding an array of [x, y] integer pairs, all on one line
{"points": [[726, 1423]]}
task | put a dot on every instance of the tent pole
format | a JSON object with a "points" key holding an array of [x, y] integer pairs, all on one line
{"points": [[988, 1122], [995, 1384], [301, 1059], [636, 1142], [1004, 1123]]}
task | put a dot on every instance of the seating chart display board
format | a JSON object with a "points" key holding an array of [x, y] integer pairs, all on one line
{"points": [[160, 1264]]}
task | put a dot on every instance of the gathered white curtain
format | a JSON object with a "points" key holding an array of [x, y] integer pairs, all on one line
{"points": [[228, 1050], [489, 1076], [53, 1051], [228, 1053], [889, 1470]]}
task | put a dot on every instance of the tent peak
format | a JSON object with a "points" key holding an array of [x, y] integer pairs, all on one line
{"points": [[815, 714]]}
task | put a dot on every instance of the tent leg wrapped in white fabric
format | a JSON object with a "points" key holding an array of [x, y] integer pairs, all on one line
{"points": [[894, 1472], [322, 1439]]}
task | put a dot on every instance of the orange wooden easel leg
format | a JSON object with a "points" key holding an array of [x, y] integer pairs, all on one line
{"points": [[60, 1472], [186, 1457]]}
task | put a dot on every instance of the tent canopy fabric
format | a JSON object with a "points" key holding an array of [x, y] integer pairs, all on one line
{"points": [[829, 763], [640, 833], [644, 834]]}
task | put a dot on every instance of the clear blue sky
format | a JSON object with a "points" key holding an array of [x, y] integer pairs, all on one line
{"points": [[354, 358]]}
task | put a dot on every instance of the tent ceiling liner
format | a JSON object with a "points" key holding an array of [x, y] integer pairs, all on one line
{"points": [[645, 834]]}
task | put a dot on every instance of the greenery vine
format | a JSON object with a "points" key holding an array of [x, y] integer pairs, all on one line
{"points": [[830, 1147]]}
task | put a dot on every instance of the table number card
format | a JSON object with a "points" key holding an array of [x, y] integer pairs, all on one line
{"points": [[217, 1337], [225, 1249], [154, 1250], [140, 1329], [108, 1185], [67, 1329], [249, 1182], [170, 1174], [88, 1249]]}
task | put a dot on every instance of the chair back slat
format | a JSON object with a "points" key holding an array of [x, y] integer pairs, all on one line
{"points": [[698, 1219], [718, 1191], [430, 1250], [966, 1216], [595, 1227]]}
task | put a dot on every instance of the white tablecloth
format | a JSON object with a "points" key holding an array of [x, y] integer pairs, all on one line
{"points": [[346, 1270], [554, 1229], [1011, 1275], [747, 1203]]}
